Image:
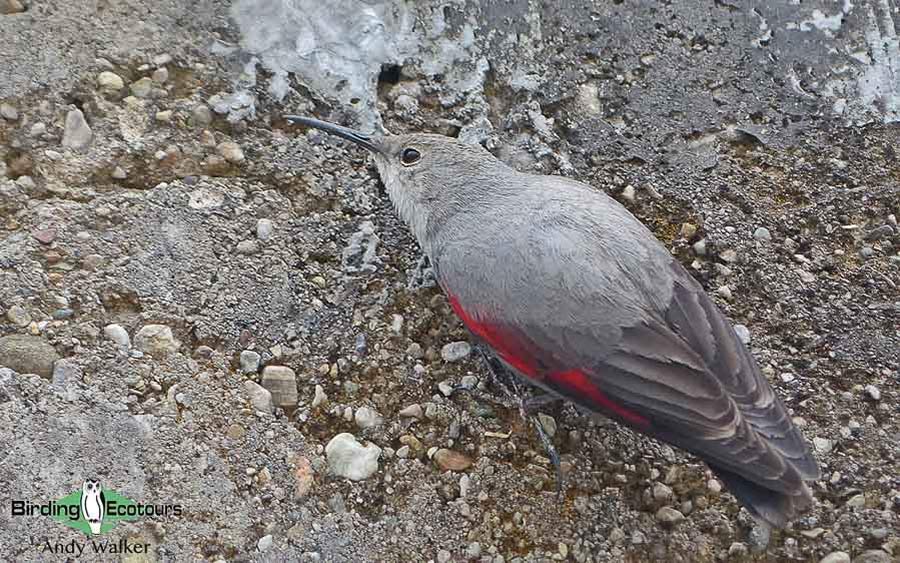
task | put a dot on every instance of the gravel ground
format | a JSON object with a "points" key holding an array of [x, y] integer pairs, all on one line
{"points": [[202, 304]]}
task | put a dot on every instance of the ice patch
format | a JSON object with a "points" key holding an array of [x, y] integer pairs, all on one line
{"points": [[877, 86], [336, 48]]}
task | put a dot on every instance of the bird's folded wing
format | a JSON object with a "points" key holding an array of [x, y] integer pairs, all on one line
{"points": [[679, 373]]}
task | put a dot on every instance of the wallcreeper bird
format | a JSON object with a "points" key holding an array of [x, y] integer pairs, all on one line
{"points": [[574, 294]]}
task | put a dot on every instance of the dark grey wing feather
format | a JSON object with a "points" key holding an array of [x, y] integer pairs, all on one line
{"points": [[737, 371]]}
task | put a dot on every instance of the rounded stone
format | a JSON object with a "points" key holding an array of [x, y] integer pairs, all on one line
{"points": [[668, 516], [231, 152], [367, 418], [156, 340], [448, 460], [455, 351], [350, 459], [260, 397], [110, 81], [28, 354]]}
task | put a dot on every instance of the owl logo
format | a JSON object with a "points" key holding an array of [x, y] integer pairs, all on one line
{"points": [[93, 504]]}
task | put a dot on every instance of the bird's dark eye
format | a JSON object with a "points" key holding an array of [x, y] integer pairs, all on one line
{"points": [[410, 156]]}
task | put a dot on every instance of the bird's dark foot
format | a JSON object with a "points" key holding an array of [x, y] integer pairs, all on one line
{"points": [[552, 454], [528, 402]]}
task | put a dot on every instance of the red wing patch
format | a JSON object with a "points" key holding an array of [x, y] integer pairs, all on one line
{"points": [[516, 351], [576, 381], [511, 349]]}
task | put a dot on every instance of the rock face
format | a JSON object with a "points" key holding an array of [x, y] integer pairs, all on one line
{"points": [[733, 130], [28, 354], [348, 458]]}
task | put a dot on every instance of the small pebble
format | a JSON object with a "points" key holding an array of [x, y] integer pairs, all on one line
{"points": [[873, 392], [350, 459], [473, 551], [11, 7], [412, 411], [249, 361], [28, 354], [455, 351], [628, 194], [688, 231], [449, 460], [110, 81], [231, 152], [201, 115], [743, 334], [668, 516], [156, 340], [44, 236], [260, 397], [319, 397], [8, 112], [762, 234], [725, 292], [281, 381], [247, 247], [367, 418], [264, 542], [737, 550], [119, 173], [142, 88], [548, 423], [264, 229], [77, 135], [160, 75], [836, 557], [118, 335], [18, 316], [730, 256], [822, 445], [700, 247]]}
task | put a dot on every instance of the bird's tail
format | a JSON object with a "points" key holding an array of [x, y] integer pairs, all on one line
{"points": [[773, 507]]}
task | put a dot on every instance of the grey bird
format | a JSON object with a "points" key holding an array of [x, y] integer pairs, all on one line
{"points": [[577, 296]]}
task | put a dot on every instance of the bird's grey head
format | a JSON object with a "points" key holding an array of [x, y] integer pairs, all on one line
{"points": [[427, 176]]}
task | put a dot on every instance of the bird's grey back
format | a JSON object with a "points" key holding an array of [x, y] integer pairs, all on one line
{"points": [[586, 241]]}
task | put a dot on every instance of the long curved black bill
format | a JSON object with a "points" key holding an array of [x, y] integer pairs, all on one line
{"points": [[361, 139]]}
